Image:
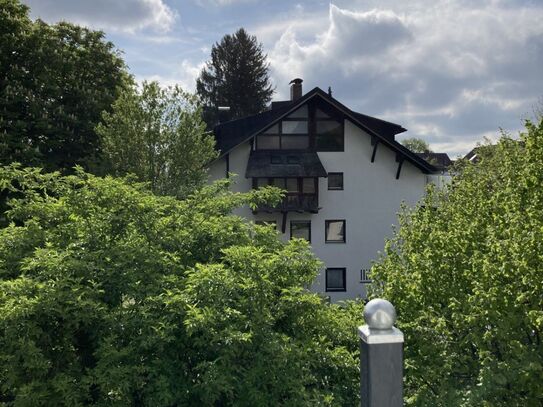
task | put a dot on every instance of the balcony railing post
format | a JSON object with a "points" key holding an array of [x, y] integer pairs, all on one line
{"points": [[381, 357]]}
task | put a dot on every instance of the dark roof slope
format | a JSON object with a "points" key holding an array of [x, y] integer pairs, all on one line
{"points": [[384, 128], [284, 164], [230, 134]]}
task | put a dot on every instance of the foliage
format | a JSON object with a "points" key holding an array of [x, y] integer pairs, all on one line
{"points": [[236, 76], [158, 135], [416, 145], [55, 81], [465, 273], [110, 295]]}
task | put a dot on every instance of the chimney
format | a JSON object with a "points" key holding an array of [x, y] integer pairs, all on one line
{"points": [[296, 89]]}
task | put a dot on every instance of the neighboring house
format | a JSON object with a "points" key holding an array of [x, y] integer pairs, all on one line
{"points": [[441, 161], [345, 176]]}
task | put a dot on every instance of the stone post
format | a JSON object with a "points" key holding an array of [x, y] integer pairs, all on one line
{"points": [[381, 357]]}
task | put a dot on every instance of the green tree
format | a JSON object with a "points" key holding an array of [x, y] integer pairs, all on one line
{"points": [[416, 145], [110, 295], [236, 76], [465, 273], [158, 135], [55, 81]]}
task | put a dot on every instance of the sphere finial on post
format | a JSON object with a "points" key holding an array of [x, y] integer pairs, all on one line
{"points": [[379, 314]]}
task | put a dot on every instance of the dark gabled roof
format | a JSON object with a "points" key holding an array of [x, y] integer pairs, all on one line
{"points": [[230, 134], [384, 128], [284, 164], [438, 160]]}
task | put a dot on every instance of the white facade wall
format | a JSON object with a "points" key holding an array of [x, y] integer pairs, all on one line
{"points": [[369, 203]]}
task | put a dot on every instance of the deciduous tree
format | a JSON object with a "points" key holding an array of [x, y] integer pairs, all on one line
{"points": [[110, 295], [465, 273], [55, 81], [158, 135]]}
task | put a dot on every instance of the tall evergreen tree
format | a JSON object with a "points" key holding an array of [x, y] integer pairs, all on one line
{"points": [[236, 76]]}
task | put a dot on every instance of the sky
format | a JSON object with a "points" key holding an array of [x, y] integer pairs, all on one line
{"points": [[453, 72]]}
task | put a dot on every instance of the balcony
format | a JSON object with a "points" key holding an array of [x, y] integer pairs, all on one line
{"points": [[294, 203]]}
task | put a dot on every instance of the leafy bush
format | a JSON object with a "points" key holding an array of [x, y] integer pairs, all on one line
{"points": [[110, 295], [465, 272]]}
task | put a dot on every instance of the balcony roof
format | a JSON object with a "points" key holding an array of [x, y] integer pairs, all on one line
{"points": [[272, 164]]}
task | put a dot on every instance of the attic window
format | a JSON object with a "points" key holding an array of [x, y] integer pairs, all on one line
{"points": [[300, 113], [319, 114], [276, 159]]}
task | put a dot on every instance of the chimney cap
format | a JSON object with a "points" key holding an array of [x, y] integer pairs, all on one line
{"points": [[296, 81]]}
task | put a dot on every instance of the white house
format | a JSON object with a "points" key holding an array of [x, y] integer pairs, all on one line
{"points": [[345, 176]]}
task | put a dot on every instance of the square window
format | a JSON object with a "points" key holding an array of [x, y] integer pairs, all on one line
{"points": [[292, 185], [335, 181], [261, 182], [279, 183], [294, 127], [335, 279], [300, 229], [329, 136], [294, 142], [365, 276], [335, 231], [308, 186], [266, 142]]}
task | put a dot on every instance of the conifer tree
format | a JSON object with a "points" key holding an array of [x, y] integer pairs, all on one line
{"points": [[236, 76]]}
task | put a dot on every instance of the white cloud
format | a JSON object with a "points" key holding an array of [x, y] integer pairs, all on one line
{"points": [[449, 71], [183, 74], [221, 3], [119, 15]]}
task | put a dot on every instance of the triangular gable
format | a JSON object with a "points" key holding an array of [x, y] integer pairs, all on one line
{"points": [[233, 133]]}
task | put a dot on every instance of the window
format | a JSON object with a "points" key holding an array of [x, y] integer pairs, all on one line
{"points": [[329, 135], [335, 279], [295, 142], [261, 182], [335, 181], [268, 142], [335, 231], [309, 185], [276, 159], [300, 113], [295, 127], [315, 125], [300, 229], [292, 185], [365, 276]]}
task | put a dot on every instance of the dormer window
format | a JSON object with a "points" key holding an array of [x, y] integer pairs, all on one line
{"points": [[313, 126]]}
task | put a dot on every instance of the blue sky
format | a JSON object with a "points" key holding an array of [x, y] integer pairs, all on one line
{"points": [[450, 71]]}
